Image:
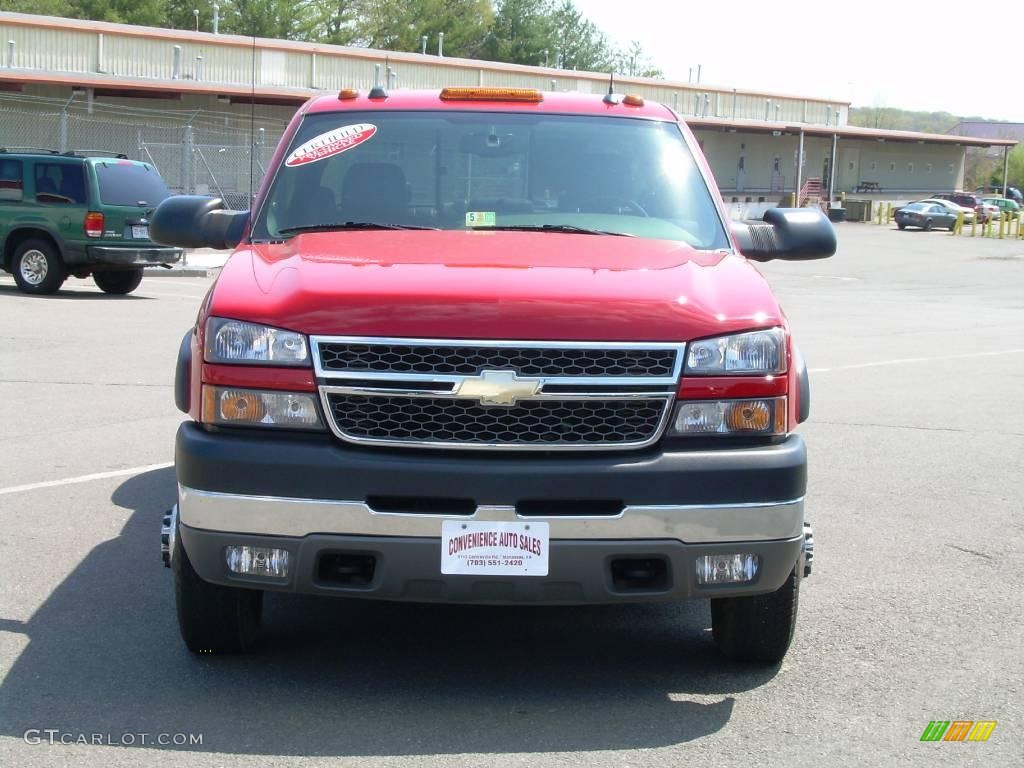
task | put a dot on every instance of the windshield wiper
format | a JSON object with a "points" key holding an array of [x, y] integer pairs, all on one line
{"points": [[347, 225], [552, 228]]}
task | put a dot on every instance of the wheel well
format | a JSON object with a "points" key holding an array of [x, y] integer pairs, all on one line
{"points": [[19, 236]]}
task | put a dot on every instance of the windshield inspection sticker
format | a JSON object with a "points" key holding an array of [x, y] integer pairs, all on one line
{"points": [[334, 142], [494, 549], [480, 218]]}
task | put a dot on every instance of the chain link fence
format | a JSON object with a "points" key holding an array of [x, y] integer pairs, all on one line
{"points": [[197, 153]]}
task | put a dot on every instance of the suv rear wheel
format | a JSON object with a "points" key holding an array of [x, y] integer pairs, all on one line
{"points": [[213, 618], [119, 281], [758, 628], [38, 267]]}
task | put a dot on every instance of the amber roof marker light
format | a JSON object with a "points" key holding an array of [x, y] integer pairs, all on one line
{"points": [[632, 100], [492, 94], [348, 93]]}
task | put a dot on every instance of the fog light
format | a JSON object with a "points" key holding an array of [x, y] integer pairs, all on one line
{"points": [[726, 569], [257, 561]]}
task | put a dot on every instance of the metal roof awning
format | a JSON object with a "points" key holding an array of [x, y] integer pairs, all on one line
{"points": [[843, 132]]}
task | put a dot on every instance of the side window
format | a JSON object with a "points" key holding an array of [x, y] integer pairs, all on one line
{"points": [[60, 183], [11, 179]]}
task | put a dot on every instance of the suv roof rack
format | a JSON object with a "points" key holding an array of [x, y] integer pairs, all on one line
{"points": [[29, 150], [101, 152], [71, 153]]}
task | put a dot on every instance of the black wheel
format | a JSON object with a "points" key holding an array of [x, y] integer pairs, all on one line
{"points": [[758, 628], [928, 225], [213, 618], [38, 267], [902, 226], [119, 281]]}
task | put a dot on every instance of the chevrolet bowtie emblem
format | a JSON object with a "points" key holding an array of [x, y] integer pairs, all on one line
{"points": [[497, 388]]}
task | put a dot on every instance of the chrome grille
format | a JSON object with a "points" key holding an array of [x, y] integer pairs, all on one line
{"points": [[466, 422], [471, 360], [506, 395]]}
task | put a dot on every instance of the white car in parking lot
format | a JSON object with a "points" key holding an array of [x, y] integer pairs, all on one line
{"points": [[953, 208]]}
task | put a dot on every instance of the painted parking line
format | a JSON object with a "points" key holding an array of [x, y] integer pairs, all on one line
{"points": [[908, 360], [85, 478]]}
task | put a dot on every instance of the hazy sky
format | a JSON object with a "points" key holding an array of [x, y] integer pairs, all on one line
{"points": [[893, 53]]}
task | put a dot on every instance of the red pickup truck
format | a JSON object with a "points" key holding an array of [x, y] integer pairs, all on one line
{"points": [[490, 346]]}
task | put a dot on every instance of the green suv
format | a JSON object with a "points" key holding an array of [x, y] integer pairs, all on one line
{"points": [[78, 214]]}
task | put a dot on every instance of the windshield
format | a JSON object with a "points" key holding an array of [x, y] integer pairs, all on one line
{"points": [[471, 170], [126, 183]]}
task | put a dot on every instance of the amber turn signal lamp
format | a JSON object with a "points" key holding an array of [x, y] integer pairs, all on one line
{"points": [[492, 94]]}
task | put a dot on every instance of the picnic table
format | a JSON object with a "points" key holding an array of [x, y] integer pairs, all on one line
{"points": [[869, 186]]}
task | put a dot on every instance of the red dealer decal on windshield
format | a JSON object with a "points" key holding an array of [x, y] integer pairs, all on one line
{"points": [[332, 143]]}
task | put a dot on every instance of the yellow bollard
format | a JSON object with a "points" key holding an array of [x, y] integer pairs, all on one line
{"points": [[958, 228], [1002, 225], [974, 225], [888, 213]]}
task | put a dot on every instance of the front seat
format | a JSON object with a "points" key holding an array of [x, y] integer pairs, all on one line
{"points": [[375, 192]]}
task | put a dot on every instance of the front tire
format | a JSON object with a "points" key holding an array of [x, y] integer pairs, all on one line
{"points": [[902, 226], [759, 628], [118, 281], [213, 618], [38, 268], [928, 226]]}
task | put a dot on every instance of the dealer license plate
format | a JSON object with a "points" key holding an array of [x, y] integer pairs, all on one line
{"points": [[140, 232], [494, 549]]}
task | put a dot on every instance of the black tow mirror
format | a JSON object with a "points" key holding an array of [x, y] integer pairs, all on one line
{"points": [[191, 221], [796, 234]]}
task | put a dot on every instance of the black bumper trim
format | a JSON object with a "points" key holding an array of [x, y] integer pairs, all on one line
{"points": [[129, 256], [409, 569], [317, 467]]}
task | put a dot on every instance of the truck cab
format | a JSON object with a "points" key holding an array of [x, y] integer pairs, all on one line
{"points": [[490, 346]]}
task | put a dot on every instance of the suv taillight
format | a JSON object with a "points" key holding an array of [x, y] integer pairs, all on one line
{"points": [[93, 224]]}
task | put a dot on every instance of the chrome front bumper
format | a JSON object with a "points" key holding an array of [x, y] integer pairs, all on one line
{"points": [[296, 517]]}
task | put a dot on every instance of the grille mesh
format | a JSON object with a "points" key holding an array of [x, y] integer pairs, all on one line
{"points": [[466, 422], [471, 360]]}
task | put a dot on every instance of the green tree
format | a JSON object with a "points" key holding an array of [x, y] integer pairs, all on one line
{"points": [[522, 33], [42, 7], [397, 25], [579, 43], [633, 61], [149, 13], [263, 18], [327, 21], [1014, 171]]}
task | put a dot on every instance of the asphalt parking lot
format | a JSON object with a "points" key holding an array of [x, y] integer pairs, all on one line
{"points": [[913, 613]]}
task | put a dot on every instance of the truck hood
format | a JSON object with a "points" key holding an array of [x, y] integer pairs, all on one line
{"points": [[500, 285]]}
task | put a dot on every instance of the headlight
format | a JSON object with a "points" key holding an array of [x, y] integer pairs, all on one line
{"points": [[754, 352], [760, 416], [232, 406], [232, 341]]}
